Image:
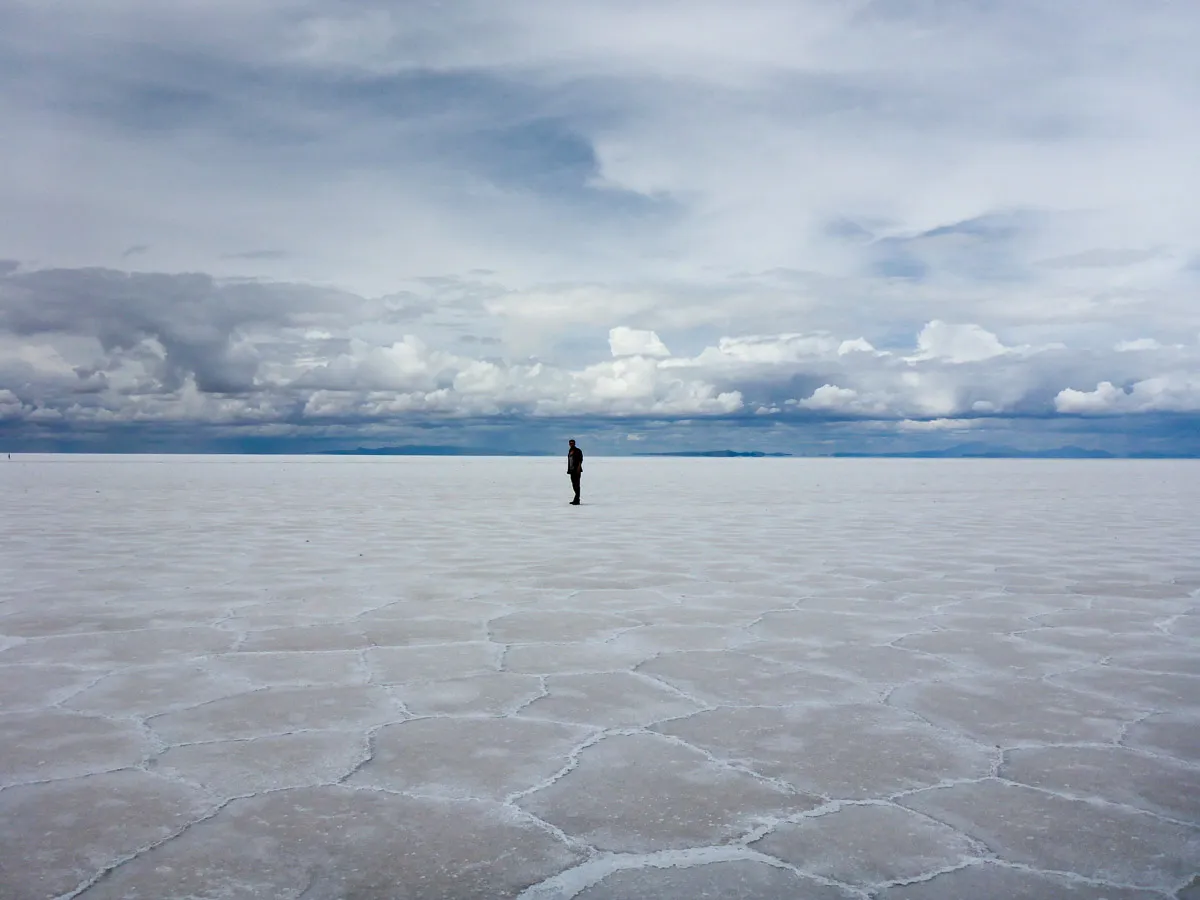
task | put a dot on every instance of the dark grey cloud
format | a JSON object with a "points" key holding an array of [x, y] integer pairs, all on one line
{"points": [[200, 324]]}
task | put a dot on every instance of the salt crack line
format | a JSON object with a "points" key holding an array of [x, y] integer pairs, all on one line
{"points": [[60, 703], [926, 877], [945, 783], [572, 763], [1102, 745], [543, 693], [140, 767], [99, 876], [262, 737], [367, 757], [405, 712], [770, 824], [777, 783], [1072, 877], [957, 737], [584, 849], [977, 845], [575, 880], [1092, 800], [667, 686], [265, 688], [1119, 740], [364, 666], [1192, 884]]}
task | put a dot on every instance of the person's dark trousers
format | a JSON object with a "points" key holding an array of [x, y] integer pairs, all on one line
{"points": [[575, 476]]}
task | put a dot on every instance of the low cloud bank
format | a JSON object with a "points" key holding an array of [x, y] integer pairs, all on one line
{"points": [[98, 346]]}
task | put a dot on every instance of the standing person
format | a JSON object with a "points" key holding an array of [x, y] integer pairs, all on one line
{"points": [[574, 468]]}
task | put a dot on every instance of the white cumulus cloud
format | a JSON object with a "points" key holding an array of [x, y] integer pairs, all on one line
{"points": [[1165, 393], [634, 342], [957, 343]]}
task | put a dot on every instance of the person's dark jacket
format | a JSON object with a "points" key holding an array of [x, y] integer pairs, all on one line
{"points": [[574, 461]]}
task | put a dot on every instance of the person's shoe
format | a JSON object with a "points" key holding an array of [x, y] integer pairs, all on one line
{"points": [[574, 503]]}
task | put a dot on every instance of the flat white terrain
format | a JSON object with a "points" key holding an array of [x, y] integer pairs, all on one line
{"points": [[229, 677]]}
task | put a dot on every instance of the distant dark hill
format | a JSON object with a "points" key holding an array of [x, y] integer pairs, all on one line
{"points": [[985, 451]]}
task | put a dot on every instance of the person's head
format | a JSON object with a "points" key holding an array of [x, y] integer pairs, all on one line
{"points": [[571, 442]]}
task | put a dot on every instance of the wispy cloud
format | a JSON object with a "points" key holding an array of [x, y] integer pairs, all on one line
{"points": [[257, 255]]}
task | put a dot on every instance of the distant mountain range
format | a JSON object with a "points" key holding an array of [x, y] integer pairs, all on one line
{"points": [[717, 454], [986, 451], [955, 451]]}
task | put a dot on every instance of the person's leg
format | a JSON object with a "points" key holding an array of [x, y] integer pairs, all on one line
{"points": [[575, 485]]}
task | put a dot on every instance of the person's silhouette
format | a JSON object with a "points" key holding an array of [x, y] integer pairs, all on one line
{"points": [[574, 468]]}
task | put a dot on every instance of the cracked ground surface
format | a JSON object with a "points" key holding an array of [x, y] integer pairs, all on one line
{"points": [[416, 678]]}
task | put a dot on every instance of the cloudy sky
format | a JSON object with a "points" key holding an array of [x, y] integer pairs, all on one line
{"points": [[790, 225]]}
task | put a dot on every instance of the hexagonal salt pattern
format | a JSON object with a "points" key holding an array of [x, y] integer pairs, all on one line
{"points": [[640, 793], [844, 752], [1025, 826], [340, 842], [870, 844], [86, 825], [373, 678]]}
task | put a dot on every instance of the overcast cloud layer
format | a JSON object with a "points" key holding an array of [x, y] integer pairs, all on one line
{"points": [[778, 224]]}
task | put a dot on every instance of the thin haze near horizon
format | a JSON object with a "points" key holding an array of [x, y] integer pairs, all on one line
{"points": [[780, 225]]}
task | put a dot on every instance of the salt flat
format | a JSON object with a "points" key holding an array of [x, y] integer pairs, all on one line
{"points": [[416, 678]]}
